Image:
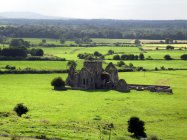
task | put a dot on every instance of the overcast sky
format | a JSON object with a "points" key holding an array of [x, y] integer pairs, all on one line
{"points": [[110, 9]]}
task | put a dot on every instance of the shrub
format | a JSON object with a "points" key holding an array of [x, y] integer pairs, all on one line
{"points": [[136, 126], [167, 57], [110, 52], [8, 67], [162, 68], [156, 69], [169, 47], [116, 57], [120, 63], [58, 83], [41, 137], [36, 52], [184, 57], [20, 109], [96, 53], [141, 56]]}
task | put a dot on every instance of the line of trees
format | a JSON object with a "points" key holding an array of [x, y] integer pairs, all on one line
{"points": [[129, 57], [81, 29]]}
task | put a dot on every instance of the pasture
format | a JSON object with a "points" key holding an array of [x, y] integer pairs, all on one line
{"points": [[70, 53], [75, 114]]}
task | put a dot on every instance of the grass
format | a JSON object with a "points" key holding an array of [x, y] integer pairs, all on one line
{"points": [[162, 46], [62, 65], [111, 41], [151, 64], [176, 54], [71, 52], [71, 114]]}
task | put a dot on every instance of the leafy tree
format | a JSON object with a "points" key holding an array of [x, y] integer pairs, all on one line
{"points": [[14, 52], [20, 109], [58, 83], [167, 57], [36, 52], [19, 43], [136, 126], [72, 63], [137, 42], [116, 57], [96, 53], [120, 63], [131, 65], [184, 57], [110, 52], [169, 47], [141, 56]]}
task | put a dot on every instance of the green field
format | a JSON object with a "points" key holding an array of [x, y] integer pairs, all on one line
{"points": [[70, 53], [72, 114], [162, 46], [62, 65], [111, 41], [176, 54], [151, 64]]}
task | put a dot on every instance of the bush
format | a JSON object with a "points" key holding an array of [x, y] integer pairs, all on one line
{"points": [[36, 52], [167, 57], [136, 126], [20, 109], [141, 56], [110, 52], [8, 67], [120, 63], [184, 57], [58, 83], [116, 57]]}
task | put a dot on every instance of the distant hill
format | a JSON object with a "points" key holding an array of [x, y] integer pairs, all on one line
{"points": [[26, 15]]}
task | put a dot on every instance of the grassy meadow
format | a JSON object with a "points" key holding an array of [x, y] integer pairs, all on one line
{"points": [[75, 114], [78, 114]]}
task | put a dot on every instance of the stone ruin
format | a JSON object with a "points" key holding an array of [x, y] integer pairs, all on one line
{"points": [[93, 76]]}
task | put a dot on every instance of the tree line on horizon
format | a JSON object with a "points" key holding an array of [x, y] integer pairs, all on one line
{"points": [[75, 29]]}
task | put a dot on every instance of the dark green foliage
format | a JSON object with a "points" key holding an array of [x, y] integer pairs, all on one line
{"points": [[72, 63], [136, 126], [120, 63], [41, 137], [19, 43], [72, 29], [10, 67], [14, 52], [141, 56], [184, 57], [20, 109], [36, 52], [167, 57], [169, 47], [116, 57], [137, 42], [110, 52], [97, 54], [129, 57], [58, 82]]}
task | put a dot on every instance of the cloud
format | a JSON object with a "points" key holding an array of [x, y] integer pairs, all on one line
{"points": [[120, 9]]}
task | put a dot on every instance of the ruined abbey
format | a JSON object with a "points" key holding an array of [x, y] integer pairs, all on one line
{"points": [[93, 76]]}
